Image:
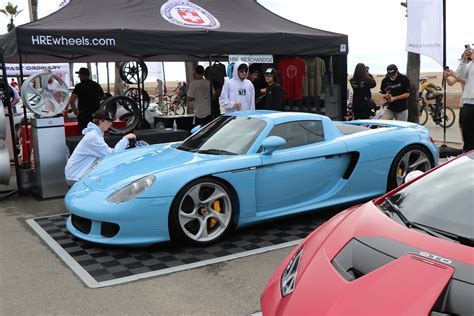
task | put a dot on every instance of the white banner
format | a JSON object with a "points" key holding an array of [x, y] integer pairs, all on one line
{"points": [[13, 70], [250, 59], [155, 69], [425, 28]]}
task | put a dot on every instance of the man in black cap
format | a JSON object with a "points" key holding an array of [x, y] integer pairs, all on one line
{"points": [[88, 93], [275, 94], [93, 147], [396, 89]]}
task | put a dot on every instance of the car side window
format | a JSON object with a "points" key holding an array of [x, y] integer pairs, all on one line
{"points": [[299, 133]]}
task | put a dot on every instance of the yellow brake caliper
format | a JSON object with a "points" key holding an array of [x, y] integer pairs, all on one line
{"points": [[216, 206], [400, 171]]}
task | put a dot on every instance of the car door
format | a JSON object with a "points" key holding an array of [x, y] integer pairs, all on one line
{"points": [[303, 171]]}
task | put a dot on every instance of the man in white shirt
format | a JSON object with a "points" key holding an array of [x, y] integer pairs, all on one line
{"points": [[238, 93], [199, 91], [465, 73]]}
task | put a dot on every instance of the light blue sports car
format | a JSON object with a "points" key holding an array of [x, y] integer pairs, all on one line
{"points": [[242, 168]]}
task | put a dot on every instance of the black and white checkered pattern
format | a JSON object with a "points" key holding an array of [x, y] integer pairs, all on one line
{"points": [[106, 264]]}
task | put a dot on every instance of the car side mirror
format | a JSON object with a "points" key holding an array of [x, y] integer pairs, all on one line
{"points": [[195, 129], [272, 143], [412, 175]]}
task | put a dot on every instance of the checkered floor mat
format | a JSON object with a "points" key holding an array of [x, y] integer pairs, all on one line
{"points": [[99, 265]]}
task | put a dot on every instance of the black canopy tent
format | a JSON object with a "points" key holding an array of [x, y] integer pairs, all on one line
{"points": [[120, 30]]}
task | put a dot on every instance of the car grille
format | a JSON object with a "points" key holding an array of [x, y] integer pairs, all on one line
{"points": [[109, 230], [81, 224]]}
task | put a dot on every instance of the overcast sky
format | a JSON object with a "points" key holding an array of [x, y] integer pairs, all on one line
{"points": [[376, 28]]}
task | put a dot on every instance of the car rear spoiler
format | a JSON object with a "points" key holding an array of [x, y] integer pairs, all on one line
{"points": [[384, 123]]}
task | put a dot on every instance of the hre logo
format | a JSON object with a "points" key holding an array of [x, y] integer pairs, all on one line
{"points": [[188, 14]]}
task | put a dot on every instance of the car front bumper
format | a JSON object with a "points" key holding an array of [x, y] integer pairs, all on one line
{"points": [[137, 222]]}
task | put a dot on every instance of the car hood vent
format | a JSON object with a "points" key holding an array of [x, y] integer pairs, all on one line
{"points": [[368, 261], [357, 259]]}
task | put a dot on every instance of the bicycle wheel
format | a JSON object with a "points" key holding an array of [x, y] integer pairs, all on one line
{"points": [[179, 108], [424, 115], [450, 117]]}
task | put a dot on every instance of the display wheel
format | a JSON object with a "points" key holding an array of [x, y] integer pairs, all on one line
{"points": [[4, 165], [125, 113], [137, 95], [131, 71], [45, 94]]}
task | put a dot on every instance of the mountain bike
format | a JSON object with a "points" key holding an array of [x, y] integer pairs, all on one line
{"points": [[172, 105], [427, 110]]}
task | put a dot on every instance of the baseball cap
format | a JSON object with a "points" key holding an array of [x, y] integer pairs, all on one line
{"points": [[391, 69], [102, 115], [83, 71], [270, 71]]}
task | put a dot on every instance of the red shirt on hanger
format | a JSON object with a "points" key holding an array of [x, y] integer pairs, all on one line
{"points": [[292, 71]]}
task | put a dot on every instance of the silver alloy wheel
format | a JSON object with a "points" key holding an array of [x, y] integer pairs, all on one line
{"points": [[4, 165], [42, 99], [197, 215], [411, 161]]}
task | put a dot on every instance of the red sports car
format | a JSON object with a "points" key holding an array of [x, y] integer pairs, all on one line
{"points": [[408, 252]]}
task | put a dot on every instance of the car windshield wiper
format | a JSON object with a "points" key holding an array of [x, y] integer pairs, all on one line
{"points": [[436, 232], [393, 208], [468, 241], [215, 152], [185, 148]]}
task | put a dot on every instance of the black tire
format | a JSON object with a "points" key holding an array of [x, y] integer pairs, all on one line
{"points": [[424, 115], [125, 109], [450, 117], [399, 168], [187, 226], [138, 95], [132, 71]]}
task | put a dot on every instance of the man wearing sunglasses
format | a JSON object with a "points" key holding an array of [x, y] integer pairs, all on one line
{"points": [[238, 93], [396, 90]]}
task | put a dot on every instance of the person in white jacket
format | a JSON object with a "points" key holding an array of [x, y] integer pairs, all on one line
{"points": [[93, 147], [238, 93], [465, 73]]}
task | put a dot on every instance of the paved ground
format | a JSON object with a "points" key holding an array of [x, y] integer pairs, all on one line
{"points": [[453, 134], [34, 281]]}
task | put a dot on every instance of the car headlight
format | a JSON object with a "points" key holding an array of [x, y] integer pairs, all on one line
{"points": [[132, 190], [288, 278]]}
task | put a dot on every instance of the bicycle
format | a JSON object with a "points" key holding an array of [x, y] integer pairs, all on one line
{"points": [[427, 109], [171, 105]]}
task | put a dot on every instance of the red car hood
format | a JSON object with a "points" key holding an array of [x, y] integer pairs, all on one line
{"points": [[409, 284]]}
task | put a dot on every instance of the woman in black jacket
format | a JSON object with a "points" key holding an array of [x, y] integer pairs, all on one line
{"points": [[361, 83]]}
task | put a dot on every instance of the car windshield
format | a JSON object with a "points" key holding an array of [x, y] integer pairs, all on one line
{"points": [[442, 200], [226, 135]]}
